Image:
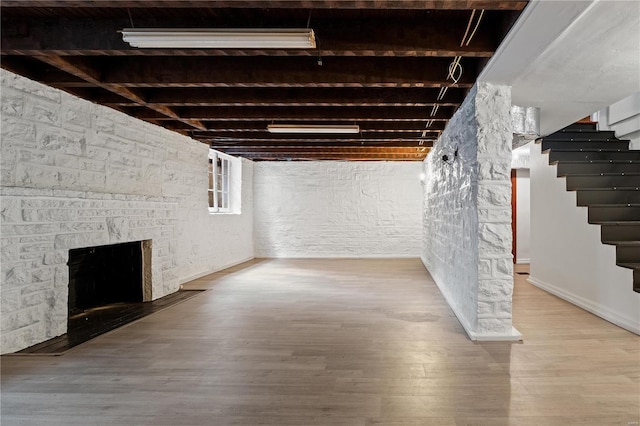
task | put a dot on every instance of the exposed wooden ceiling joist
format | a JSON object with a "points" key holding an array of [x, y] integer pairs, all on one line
{"points": [[91, 75], [304, 4], [361, 155], [292, 96], [333, 153], [381, 64], [157, 72], [361, 137], [323, 142], [426, 35], [374, 126], [296, 114]]}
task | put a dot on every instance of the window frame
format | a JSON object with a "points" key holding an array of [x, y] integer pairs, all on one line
{"points": [[219, 186]]}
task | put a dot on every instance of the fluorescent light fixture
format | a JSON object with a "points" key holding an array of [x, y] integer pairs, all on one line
{"points": [[208, 38], [312, 128]]}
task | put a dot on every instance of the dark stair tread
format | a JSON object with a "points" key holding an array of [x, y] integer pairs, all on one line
{"points": [[612, 205], [596, 161], [615, 222], [604, 174], [577, 127], [622, 243], [582, 136], [590, 150], [613, 188], [629, 265], [577, 169], [588, 143]]}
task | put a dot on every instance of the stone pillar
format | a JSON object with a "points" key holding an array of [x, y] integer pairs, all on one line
{"points": [[467, 214]]}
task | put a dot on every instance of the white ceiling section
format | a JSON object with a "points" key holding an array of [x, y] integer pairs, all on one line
{"points": [[570, 58]]}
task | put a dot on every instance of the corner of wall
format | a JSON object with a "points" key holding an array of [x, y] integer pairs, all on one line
{"points": [[467, 213]]}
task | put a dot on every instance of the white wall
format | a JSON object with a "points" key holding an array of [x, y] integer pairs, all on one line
{"points": [[337, 209], [623, 118], [555, 54], [74, 174], [467, 214], [567, 257], [523, 220]]}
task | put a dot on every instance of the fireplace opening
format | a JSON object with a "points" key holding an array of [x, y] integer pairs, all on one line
{"points": [[104, 275], [109, 286]]}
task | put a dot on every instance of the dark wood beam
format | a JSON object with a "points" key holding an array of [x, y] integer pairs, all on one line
{"points": [[435, 34], [280, 72], [266, 136], [333, 153], [337, 157], [321, 143], [336, 149], [37, 70], [287, 4], [307, 113], [291, 96], [244, 127], [92, 76]]}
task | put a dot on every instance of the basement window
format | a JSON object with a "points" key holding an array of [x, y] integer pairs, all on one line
{"points": [[224, 183]]}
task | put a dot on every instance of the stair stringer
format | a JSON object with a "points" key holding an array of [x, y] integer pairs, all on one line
{"points": [[567, 256]]}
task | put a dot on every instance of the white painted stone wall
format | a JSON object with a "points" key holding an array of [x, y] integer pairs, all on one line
{"points": [[74, 174], [467, 213], [567, 256], [337, 209]]}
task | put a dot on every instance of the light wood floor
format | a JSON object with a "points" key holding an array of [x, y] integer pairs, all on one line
{"points": [[333, 342]]}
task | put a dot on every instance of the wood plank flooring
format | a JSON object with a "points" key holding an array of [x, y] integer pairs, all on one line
{"points": [[333, 342], [91, 323]]}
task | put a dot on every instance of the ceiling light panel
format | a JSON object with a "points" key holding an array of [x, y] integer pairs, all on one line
{"points": [[206, 38]]}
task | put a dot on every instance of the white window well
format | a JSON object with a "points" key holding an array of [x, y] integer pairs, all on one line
{"points": [[222, 174]]}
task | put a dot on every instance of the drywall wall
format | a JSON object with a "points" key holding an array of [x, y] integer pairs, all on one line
{"points": [[523, 220], [467, 214], [567, 257], [337, 209], [74, 174], [623, 117], [554, 58]]}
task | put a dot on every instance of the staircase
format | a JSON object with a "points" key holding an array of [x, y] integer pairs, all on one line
{"points": [[606, 176]]}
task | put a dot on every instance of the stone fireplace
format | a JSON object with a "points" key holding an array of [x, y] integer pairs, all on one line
{"points": [[75, 175], [100, 276]]}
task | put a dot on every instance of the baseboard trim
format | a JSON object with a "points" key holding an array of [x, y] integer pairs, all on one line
{"points": [[513, 336], [214, 270], [588, 305], [523, 261]]}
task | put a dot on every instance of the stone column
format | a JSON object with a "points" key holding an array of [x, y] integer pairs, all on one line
{"points": [[467, 214]]}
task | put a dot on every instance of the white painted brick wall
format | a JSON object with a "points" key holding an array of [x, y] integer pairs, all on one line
{"points": [[74, 174], [337, 209], [467, 212]]}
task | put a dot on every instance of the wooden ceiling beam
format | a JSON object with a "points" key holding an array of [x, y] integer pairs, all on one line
{"points": [[292, 96], [338, 157], [335, 149], [429, 35], [283, 72], [294, 113], [331, 153], [248, 127], [320, 144], [286, 4], [92, 76], [264, 135]]}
